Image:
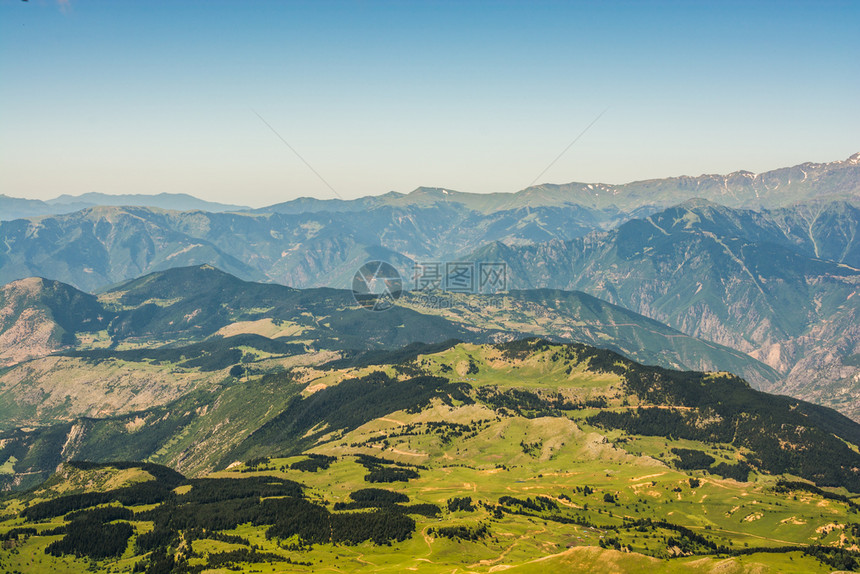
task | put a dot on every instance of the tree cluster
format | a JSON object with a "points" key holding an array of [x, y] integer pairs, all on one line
{"points": [[777, 441], [470, 533], [463, 504], [313, 463], [92, 534]]}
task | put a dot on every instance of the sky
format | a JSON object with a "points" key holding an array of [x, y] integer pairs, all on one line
{"points": [[257, 102]]}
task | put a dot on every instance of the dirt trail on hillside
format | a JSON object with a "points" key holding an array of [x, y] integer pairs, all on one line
{"points": [[488, 562]]}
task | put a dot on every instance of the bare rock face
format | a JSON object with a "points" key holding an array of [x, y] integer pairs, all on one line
{"points": [[828, 369], [26, 329], [33, 334], [39, 316]]}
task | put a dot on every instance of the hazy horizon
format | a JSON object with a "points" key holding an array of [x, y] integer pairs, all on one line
{"points": [[378, 97], [406, 192]]}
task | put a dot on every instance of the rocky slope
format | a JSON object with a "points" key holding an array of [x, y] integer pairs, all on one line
{"points": [[39, 316]]}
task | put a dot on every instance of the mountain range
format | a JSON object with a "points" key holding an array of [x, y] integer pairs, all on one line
{"points": [[807, 182], [777, 188], [314, 243], [18, 208], [71, 354], [776, 282]]}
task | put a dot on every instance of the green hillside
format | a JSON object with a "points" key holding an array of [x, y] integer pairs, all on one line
{"points": [[576, 316], [479, 458]]}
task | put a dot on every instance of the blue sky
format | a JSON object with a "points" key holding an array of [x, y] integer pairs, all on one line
{"points": [[150, 97]]}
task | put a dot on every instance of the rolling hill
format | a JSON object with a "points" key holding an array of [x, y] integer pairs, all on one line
{"points": [[519, 456], [39, 316]]}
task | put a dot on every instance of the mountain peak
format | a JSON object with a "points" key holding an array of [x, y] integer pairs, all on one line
{"points": [[697, 203], [854, 159], [205, 273], [33, 286], [29, 285], [434, 191]]}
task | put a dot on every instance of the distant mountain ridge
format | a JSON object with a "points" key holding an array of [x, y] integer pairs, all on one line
{"points": [[807, 182], [12, 208], [804, 183], [101, 246]]}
